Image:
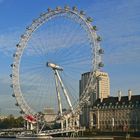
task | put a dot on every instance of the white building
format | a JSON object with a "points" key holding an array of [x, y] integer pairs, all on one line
{"points": [[101, 91]]}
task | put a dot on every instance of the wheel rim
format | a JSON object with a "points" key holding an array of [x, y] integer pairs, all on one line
{"points": [[76, 58]]}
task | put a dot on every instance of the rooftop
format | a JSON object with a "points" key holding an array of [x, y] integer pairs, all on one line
{"points": [[113, 101]]}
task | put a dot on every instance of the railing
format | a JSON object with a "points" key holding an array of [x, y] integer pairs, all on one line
{"points": [[65, 130], [12, 129]]}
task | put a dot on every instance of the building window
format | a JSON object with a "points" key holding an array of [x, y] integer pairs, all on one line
{"points": [[137, 102]]}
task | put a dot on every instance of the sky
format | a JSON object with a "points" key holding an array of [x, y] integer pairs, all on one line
{"points": [[118, 25]]}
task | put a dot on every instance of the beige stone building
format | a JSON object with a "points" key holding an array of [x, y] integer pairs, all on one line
{"points": [[49, 115], [106, 113], [103, 85], [120, 113], [102, 91]]}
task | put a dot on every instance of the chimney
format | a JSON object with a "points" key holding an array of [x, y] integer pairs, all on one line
{"points": [[119, 95], [129, 94], [101, 99]]}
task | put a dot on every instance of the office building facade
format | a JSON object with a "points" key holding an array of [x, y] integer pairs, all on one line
{"points": [[101, 91]]}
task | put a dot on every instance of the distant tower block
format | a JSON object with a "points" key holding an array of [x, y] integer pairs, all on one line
{"points": [[129, 94], [101, 91], [49, 115], [119, 95], [103, 85]]}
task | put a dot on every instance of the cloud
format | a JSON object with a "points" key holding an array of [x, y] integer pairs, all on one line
{"points": [[8, 42], [55, 36], [48, 38], [5, 85], [118, 24], [124, 48], [7, 102], [5, 79], [33, 85]]}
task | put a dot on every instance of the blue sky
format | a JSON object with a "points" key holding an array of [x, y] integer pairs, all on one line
{"points": [[118, 23]]}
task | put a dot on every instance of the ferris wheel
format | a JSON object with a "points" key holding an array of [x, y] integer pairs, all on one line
{"points": [[51, 55]]}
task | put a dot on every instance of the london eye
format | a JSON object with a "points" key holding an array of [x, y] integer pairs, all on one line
{"points": [[52, 53]]}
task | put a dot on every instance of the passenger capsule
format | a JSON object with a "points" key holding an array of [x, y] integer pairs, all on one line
{"points": [[28, 28], [66, 7], [58, 8], [99, 38], [35, 21], [13, 95], [11, 85], [23, 36], [94, 28], [18, 46], [42, 14], [12, 65], [16, 104], [15, 55], [101, 64], [21, 112], [82, 12], [49, 9], [101, 51], [89, 19], [74, 8]]}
